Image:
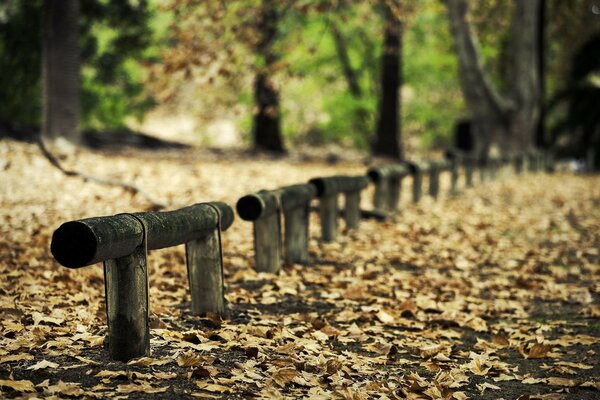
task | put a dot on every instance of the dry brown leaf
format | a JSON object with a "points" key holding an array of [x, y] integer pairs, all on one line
{"points": [[539, 350], [18, 386], [282, 376], [42, 365], [16, 357], [212, 387]]}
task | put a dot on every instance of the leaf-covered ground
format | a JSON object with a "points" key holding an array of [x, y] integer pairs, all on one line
{"points": [[492, 294]]}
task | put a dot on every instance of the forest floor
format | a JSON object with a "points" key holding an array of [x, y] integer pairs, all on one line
{"points": [[494, 293]]}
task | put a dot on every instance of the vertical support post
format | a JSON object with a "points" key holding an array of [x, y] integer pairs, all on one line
{"points": [[352, 209], [205, 274], [296, 235], [382, 193], [434, 181], [493, 169], [328, 210], [530, 162], [483, 171], [127, 308], [454, 177], [469, 173], [417, 184], [395, 186], [518, 164], [267, 238]]}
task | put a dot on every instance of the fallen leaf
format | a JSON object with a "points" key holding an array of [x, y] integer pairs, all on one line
{"points": [[18, 386]]}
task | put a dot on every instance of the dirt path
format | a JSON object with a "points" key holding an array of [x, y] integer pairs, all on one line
{"points": [[493, 294]]}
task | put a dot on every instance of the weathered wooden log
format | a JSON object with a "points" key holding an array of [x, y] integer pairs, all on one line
{"points": [[454, 174], [453, 158], [127, 305], [205, 274], [388, 183], [417, 170], [328, 190], [263, 208], [494, 165], [122, 242], [295, 202], [377, 215], [76, 244], [435, 169]]}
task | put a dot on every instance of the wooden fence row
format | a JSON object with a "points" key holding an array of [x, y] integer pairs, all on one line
{"points": [[121, 242]]}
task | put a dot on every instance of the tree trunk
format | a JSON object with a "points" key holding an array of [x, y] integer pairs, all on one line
{"points": [[266, 130], [508, 121], [362, 115], [526, 80], [60, 70], [387, 139], [541, 140]]}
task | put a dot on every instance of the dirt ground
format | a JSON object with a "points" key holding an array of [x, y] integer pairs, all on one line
{"points": [[494, 293]]}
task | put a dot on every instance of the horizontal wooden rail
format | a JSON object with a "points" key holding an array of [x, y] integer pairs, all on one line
{"points": [[76, 244], [122, 242], [328, 190]]}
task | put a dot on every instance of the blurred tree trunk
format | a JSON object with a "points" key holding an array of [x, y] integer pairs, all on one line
{"points": [[352, 79], [509, 120], [387, 136], [267, 127], [541, 140], [60, 70]]}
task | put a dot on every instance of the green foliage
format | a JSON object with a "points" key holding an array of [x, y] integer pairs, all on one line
{"points": [[432, 96], [20, 60], [115, 39]]}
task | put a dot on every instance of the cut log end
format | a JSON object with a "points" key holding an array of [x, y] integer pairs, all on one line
{"points": [[74, 244], [375, 175], [250, 207], [319, 184]]}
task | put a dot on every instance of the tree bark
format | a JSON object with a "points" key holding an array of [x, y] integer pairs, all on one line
{"points": [[387, 139], [352, 79], [510, 120], [266, 129], [60, 70], [525, 81], [541, 140]]}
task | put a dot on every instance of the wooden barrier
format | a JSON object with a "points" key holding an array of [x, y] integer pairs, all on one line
{"points": [[122, 242], [295, 204], [388, 185], [417, 170], [328, 190], [435, 169], [264, 209]]}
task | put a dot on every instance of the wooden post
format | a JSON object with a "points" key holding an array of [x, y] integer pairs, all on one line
{"points": [[518, 164], [327, 190], [395, 186], [205, 274], [328, 211], [388, 181], [493, 169], [382, 194], [352, 210], [296, 234], [454, 177], [267, 237], [482, 172], [469, 173], [417, 175], [126, 285], [434, 181], [264, 209]]}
